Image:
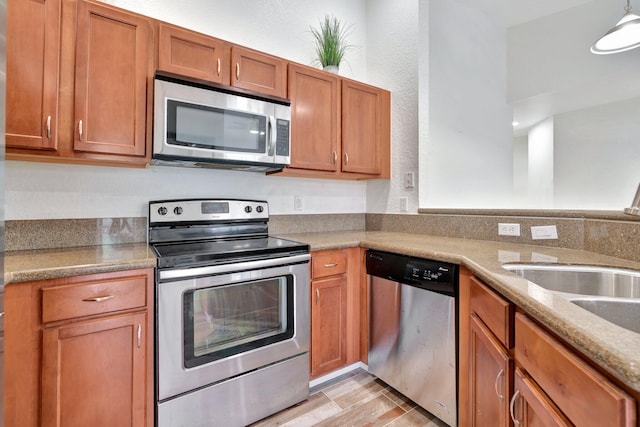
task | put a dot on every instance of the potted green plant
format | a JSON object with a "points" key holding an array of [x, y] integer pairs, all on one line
{"points": [[331, 42]]}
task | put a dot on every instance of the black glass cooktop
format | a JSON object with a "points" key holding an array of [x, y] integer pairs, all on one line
{"points": [[211, 252]]}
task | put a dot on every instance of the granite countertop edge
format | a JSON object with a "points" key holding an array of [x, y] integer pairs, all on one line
{"points": [[24, 266]]}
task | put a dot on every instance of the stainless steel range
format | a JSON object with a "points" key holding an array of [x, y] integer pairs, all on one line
{"points": [[232, 318]]}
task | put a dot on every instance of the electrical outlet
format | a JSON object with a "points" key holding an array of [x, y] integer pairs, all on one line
{"points": [[544, 232], [409, 180], [508, 229], [297, 203]]}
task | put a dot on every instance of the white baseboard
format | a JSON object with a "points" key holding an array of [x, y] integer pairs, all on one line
{"points": [[336, 374]]}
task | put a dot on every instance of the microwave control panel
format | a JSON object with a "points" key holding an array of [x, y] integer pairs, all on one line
{"points": [[282, 140]]}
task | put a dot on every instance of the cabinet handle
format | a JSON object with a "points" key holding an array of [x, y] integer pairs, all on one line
{"points": [[512, 408], [49, 127], [80, 129], [317, 296], [1, 314], [99, 299], [237, 70], [139, 334], [346, 158], [335, 157], [495, 385], [219, 66], [330, 265]]}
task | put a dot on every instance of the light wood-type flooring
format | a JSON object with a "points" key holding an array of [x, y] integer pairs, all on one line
{"points": [[357, 399]]}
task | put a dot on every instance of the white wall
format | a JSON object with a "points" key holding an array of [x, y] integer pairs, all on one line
{"points": [[540, 145], [40, 191], [597, 156], [466, 147], [392, 62]]}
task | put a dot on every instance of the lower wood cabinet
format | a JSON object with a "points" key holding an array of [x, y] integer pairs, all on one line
{"points": [[514, 372], [81, 351], [335, 309]]}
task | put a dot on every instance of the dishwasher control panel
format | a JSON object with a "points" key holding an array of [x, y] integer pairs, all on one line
{"points": [[437, 276], [430, 271]]}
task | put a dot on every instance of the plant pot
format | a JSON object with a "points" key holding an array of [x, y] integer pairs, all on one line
{"points": [[331, 69]]}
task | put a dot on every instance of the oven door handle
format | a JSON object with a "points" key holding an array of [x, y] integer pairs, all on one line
{"points": [[184, 273]]}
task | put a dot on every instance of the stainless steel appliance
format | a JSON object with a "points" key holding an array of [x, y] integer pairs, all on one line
{"points": [[413, 329], [209, 125], [232, 320]]}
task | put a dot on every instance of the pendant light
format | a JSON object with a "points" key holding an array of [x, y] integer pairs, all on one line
{"points": [[624, 36]]}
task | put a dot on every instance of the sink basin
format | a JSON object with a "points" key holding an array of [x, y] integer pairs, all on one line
{"points": [[581, 279], [622, 312]]}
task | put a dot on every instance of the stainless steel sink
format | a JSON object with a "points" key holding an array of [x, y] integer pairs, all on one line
{"points": [[581, 279], [622, 312]]}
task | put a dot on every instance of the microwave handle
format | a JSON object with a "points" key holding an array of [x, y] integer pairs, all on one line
{"points": [[273, 135]]}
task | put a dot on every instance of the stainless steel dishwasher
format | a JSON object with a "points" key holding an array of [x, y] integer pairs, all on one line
{"points": [[413, 328]]}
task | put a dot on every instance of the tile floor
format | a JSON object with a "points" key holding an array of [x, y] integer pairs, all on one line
{"points": [[357, 399]]}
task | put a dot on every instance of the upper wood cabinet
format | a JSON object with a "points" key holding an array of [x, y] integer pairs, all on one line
{"points": [[258, 71], [315, 119], [192, 54], [365, 129], [112, 66], [340, 128], [33, 48], [78, 83]]}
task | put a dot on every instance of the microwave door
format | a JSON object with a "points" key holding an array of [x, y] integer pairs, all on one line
{"points": [[209, 132]]}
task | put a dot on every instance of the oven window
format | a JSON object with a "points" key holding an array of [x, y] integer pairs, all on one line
{"points": [[226, 320], [201, 126]]}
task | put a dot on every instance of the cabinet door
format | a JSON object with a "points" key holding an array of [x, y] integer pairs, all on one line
{"points": [[94, 373], [315, 118], [112, 68], [328, 325], [530, 407], [258, 72], [33, 49], [192, 54], [365, 128], [490, 377]]}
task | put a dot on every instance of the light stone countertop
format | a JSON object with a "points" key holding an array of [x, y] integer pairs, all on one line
{"points": [[22, 266], [615, 349]]}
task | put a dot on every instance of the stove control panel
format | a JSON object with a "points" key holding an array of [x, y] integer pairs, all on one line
{"points": [[194, 210]]}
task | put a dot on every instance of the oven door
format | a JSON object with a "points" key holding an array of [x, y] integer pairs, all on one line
{"points": [[216, 327]]}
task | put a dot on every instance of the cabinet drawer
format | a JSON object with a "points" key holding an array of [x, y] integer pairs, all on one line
{"points": [[583, 394], [495, 311], [93, 297], [328, 264]]}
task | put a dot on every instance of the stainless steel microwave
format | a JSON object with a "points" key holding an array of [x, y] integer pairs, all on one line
{"points": [[202, 125]]}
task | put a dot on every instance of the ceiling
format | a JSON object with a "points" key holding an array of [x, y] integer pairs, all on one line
{"points": [[514, 12]]}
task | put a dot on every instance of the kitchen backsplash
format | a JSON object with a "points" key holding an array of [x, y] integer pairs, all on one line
{"points": [[607, 233]]}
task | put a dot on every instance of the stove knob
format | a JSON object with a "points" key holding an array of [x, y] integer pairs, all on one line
{"points": [[248, 209], [259, 209], [177, 210], [162, 210]]}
